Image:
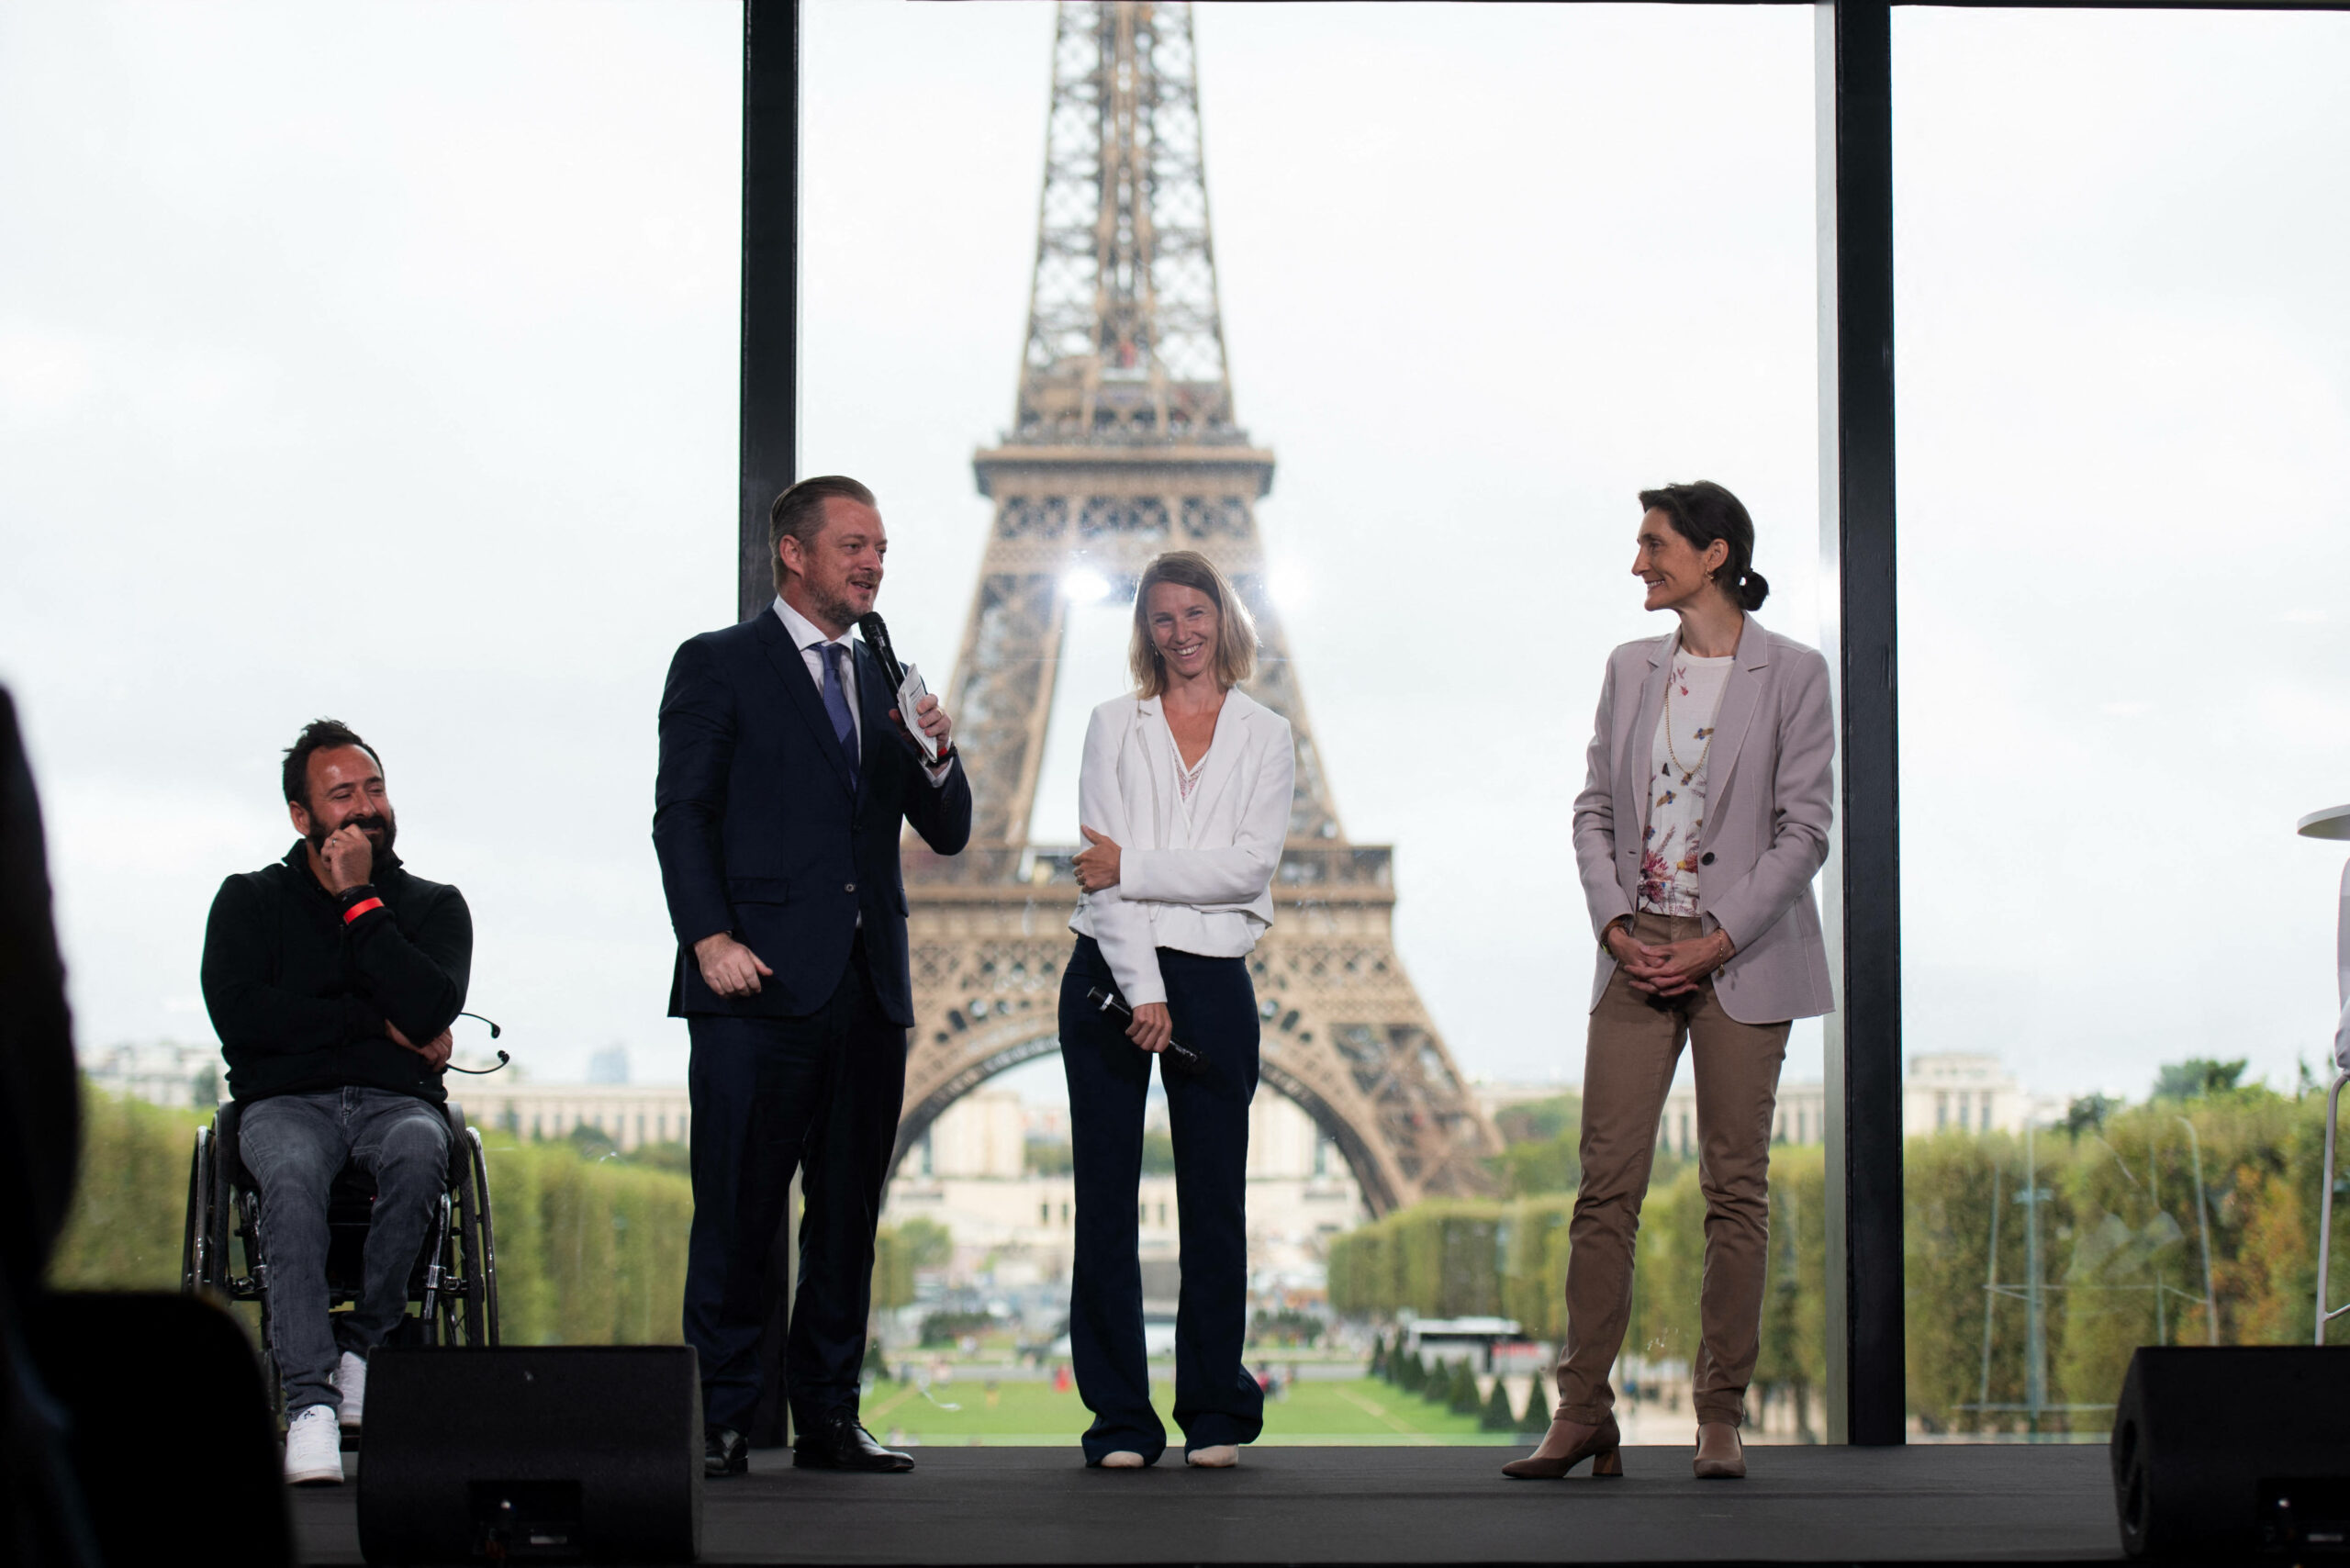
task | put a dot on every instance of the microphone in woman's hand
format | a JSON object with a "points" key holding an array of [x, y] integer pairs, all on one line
{"points": [[1181, 1059]]}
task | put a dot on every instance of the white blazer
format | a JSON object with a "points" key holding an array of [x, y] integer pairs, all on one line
{"points": [[1194, 875]]}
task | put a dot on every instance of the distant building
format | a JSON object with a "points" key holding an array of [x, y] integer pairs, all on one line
{"points": [[1962, 1091], [1801, 1118], [969, 1172], [1493, 1098], [630, 1115], [1944, 1091], [162, 1072]]}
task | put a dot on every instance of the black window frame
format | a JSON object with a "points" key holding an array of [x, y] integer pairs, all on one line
{"points": [[1867, 1372]]}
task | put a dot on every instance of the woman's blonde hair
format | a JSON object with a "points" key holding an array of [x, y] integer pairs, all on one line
{"points": [[1235, 638]]}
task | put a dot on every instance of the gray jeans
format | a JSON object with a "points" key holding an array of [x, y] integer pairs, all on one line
{"points": [[293, 1145]]}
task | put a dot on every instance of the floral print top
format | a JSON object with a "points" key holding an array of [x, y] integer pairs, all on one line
{"points": [[1677, 763]]}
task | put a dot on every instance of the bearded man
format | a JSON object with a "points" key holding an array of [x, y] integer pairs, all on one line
{"points": [[786, 781], [332, 977]]}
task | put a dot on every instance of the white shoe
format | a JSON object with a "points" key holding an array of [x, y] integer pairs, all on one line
{"points": [[313, 1449], [1122, 1458], [350, 1383], [1219, 1456]]}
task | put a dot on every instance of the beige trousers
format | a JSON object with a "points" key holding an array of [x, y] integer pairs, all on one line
{"points": [[1634, 1045]]}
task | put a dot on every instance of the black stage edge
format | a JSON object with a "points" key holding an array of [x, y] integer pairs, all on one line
{"points": [[1975, 1502]]}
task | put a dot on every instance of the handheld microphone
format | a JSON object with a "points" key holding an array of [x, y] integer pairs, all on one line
{"points": [[1181, 1058], [876, 637], [904, 679]]}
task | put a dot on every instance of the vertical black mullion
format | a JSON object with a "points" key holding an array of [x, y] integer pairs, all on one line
{"points": [[770, 377], [771, 283], [1866, 871]]}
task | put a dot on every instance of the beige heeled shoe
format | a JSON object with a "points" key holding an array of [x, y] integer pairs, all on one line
{"points": [[1721, 1454], [1216, 1456], [1121, 1459], [1602, 1445]]}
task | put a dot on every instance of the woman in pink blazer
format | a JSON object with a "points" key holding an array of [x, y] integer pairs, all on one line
{"points": [[1704, 819]]}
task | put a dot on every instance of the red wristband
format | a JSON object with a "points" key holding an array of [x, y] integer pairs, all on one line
{"points": [[362, 907]]}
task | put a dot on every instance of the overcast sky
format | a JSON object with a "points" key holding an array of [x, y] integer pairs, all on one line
{"points": [[380, 361]]}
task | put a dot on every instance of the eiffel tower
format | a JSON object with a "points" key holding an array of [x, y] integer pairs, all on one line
{"points": [[1123, 443]]}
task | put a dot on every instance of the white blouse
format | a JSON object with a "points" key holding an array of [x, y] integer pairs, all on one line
{"points": [[1677, 783], [1195, 868]]}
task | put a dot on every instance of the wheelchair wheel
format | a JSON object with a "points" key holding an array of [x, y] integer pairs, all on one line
{"points": [[248, 1208], [477, 1255], [193, 1249], [488, 1246]]}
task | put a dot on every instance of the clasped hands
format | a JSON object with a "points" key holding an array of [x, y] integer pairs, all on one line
{"points": [[1671, 968]]}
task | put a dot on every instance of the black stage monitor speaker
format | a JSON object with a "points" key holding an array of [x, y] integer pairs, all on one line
{"points": [[2225, 1454], [585, 1452]]}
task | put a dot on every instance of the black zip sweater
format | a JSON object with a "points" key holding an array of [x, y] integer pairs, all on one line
{"points": [[299, 997]]}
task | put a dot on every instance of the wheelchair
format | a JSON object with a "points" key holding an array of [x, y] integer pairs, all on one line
{"points": [[454, 1286]]}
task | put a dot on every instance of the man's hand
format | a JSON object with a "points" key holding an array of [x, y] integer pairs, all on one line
{"points": [[1676, 968], [727, 966], [434, 1051], [930, 719], [349, 861], [1153, 1026], [1097, 864]]}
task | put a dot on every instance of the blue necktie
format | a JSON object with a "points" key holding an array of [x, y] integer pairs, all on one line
{"points": [[836, 704]]}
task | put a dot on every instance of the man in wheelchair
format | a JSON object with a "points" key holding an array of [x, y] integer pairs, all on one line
{"points": [[332, 977]]}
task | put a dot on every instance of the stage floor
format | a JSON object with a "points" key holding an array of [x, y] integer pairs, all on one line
{"points": [[1925, 1504]]}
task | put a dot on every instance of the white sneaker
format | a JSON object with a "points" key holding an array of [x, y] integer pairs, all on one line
{"points": [[313, 1449], [350, 1383]]}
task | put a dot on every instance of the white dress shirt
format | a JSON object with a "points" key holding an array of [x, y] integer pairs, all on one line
{"points": [[811, 640], [1195, 874]]}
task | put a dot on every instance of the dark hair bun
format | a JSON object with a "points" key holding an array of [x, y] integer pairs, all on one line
{"points": [[1752, 590]]}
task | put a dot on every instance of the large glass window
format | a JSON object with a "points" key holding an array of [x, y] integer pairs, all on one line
{"points": [[380, 362], [2123, 352], [1484, 275]]}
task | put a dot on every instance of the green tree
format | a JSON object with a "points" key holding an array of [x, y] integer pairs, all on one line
{"points": [[2198, 1077], [2087, 1113], [1461, 1391], [1540, 1121], [1554, 1165], [1498, 1417], [1047, 1157], [1541, 1401]]}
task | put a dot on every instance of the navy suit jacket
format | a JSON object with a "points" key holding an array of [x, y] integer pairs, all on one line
{"points": [[760, 833]]}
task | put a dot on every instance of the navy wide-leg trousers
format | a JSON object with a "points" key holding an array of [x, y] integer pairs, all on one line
{"points": [[1214, 1007]]}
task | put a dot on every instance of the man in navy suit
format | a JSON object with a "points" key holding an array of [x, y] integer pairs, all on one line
{"points": [[785, 775]]}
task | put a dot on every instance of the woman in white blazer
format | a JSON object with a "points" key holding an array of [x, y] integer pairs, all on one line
{"points": [[1184, 801], [1702, 823]]}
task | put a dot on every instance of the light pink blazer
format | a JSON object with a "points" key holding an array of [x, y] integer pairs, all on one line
{"points": [[1769, 805]]}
